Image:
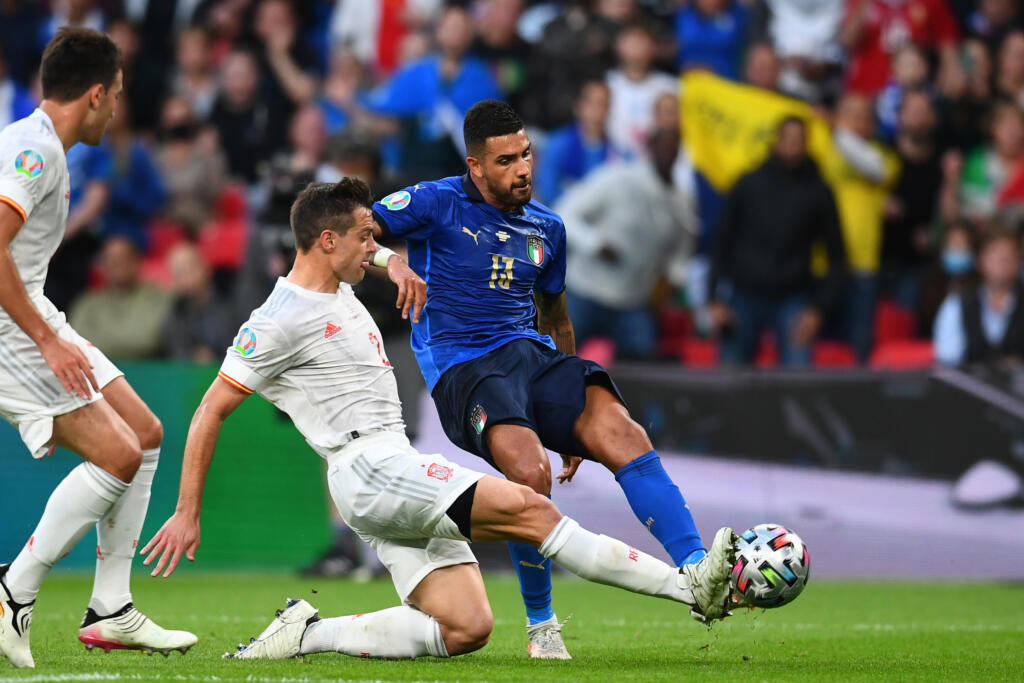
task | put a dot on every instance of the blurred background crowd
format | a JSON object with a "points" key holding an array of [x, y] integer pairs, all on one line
{"points": [[179, 221]]}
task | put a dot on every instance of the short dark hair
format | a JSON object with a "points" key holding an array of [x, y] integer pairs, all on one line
{"points": [[327, 206], [489, 119], [75, 60], [999, 229], [790, 119], [347, 146]]}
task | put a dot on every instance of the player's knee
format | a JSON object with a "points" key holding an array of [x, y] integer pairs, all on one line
{"points": [[471, 633], [124, 455], [126, 459], [151, 434], [535, 475], [536, 516]]}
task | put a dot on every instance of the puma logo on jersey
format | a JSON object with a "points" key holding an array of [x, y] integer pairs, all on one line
{"points": [[331, 330], [532, 565], [472, 234]]}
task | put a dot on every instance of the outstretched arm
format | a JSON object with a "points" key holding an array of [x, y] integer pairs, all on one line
{"points": [[180, 533], [553, 319]]}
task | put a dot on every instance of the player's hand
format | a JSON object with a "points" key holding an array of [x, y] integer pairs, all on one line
{"points": [[178, 536], [570, 463], [69, 363], [412, 290]]}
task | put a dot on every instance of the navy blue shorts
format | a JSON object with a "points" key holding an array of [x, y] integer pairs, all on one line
{"points": [[523, 382]]}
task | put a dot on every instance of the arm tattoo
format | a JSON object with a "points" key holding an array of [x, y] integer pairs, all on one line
{"points": [[553, 319]]}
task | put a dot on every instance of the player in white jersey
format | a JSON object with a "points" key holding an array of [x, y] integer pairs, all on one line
{"points": [[313, 351], [51, 378]]}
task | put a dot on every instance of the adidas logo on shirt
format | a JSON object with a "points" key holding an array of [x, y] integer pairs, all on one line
{"points": [[332, 330]]}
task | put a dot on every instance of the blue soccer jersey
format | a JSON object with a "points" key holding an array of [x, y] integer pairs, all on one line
{"points": [[481, 266]]}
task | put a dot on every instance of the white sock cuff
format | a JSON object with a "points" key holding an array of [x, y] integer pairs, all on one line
{"points": [[150, 458], [103, 483], [559, 536], [434, 640]]}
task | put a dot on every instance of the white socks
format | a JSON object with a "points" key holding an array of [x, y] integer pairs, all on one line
{"points": [[606, 560], [82, 498], [117, 536], [394, 633]]}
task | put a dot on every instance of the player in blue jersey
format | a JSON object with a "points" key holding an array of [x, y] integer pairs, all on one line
{"points": [[496, 348]]}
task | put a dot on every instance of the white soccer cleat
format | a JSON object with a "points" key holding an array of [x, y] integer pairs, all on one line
{"points": [[15, 622], [283, 638], [708, 580], [546, 640], [130, 629]]}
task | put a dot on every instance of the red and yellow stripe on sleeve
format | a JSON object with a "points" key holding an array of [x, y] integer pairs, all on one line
{"points": [[14, 205], [235, 383]]}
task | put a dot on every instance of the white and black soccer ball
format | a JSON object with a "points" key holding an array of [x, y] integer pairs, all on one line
{"points": [[772, 566]]}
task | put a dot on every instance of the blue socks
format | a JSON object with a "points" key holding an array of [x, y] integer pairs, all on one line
{"points": [[534, 572], [658, 504]]}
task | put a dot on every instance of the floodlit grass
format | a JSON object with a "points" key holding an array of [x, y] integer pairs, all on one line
{"points": [[834, 631]]}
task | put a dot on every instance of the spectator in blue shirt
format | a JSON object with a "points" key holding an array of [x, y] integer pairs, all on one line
{"points": [[576, 149], [985, 324], [137, 191], [431, 96], [91, 171], [711, 35]]}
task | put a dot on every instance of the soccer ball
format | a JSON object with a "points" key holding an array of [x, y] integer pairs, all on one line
{"points": [[772, 566]]}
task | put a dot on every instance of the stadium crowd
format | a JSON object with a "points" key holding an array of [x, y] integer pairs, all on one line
{"points": [[178, 224]]}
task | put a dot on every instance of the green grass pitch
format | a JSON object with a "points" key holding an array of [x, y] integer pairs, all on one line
{"points": [[841, 631]]}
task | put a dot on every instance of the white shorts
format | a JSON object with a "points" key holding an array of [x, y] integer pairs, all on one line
{"points": [[396, 499], [30, 394]]}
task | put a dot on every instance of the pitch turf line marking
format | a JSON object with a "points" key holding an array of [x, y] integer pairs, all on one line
{"points": [[250, 678]]}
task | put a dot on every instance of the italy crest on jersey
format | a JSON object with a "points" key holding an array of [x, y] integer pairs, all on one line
{"points": [[29, 163], [535, 249], [245, 342], [478, 418]]}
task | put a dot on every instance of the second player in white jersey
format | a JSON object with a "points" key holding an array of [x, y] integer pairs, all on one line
{"points": [[50, 377], [319, 358]]}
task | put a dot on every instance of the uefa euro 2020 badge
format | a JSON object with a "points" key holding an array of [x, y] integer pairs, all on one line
{"points": [[396, 201], [245, 342], [29, 163]]}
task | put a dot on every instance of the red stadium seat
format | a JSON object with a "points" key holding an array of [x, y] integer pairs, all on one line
{"points": [[833, 354], [767, 353], [699, 353], [674, 326], [908, 354], [893, 323], [601, 350]]}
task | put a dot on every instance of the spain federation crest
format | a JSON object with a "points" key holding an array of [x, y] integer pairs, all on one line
{"points": [[535, 249]]}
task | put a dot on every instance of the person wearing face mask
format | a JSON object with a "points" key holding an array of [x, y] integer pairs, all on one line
{"points": [[952, 271], [985, 324]]}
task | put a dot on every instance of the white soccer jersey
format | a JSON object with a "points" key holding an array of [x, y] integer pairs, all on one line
{"points": [[319, 358], [34, 182]]}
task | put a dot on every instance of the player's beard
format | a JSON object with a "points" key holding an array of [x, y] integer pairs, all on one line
{"points": [[510, 197]]}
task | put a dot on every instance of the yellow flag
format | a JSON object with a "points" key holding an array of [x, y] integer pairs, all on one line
{"points": [[728, 129]]}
